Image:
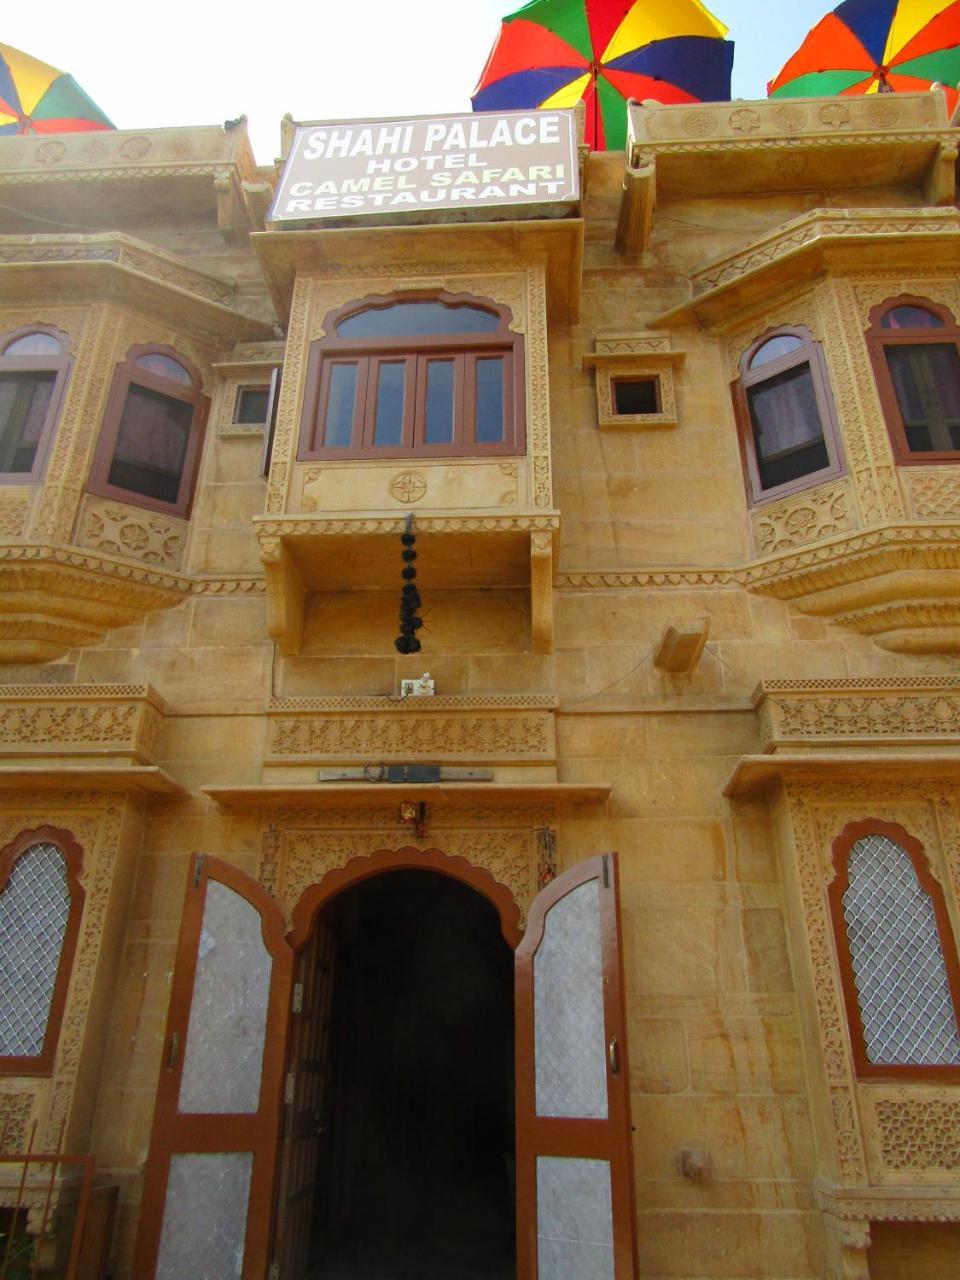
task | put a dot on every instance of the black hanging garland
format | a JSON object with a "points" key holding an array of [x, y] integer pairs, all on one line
{"points": [[410, 620]]}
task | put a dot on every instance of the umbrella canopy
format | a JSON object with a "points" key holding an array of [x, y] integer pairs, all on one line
{"points": [[37, 98], [877, 46], [553, 53]]}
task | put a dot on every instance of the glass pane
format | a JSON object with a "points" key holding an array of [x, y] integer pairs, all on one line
{"points": [[636, 395], [34, 909], [341, 406], [439, 402], [776, 347], [24, 404], [228, 1017], [787, 432], [205, 1217], [926, 379], [34, 344], [252, 405], [166, 367], [569, 1029], [905, 1003], [490, 397], [391, 381], [151, 444], [911, 318], [418, 319], [574, 1219]]}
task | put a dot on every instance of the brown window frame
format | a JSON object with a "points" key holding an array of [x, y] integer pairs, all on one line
{"points": [[842, 847], [58, 365], [810, 354], [878, 339], [128, 374], [416, 352], [42, 1063]]}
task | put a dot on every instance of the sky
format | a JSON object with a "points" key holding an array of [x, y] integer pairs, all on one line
{"points": [[192, 62]]}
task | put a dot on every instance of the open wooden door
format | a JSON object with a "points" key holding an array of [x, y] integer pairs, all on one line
{"points": [[575, 1213], [307, 1122], [210, 1178]]}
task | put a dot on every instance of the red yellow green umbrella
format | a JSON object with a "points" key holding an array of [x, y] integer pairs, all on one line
{"points": [[553, 53], [37, 98], [877, 46]]}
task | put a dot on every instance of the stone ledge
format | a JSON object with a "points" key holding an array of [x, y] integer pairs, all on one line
{"points": [[145, 779], [347, 794], [753, 774]]}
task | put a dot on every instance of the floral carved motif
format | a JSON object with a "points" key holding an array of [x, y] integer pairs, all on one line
{"points": [[14, 513], [850, 714], [98, 719], [931, 492], [129, 531], [799, 521], [16, 1111], [410, 736]]}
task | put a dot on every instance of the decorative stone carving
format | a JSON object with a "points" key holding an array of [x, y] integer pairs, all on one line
{"points": [[871, 710], [635, 356], [932, 493], [795, 522], [409, 486], [80, 719], [16, 1112], [917, 1135], [132, 531], [15, 510]]}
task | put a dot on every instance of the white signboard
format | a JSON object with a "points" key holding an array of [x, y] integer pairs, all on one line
{"points": [[355, 167]]}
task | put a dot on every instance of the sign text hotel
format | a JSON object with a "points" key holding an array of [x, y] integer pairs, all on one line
{"points": [[347, 168]]}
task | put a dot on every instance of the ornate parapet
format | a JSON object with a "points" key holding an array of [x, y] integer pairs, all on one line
{"points": [[72, 723], [356, 550]]}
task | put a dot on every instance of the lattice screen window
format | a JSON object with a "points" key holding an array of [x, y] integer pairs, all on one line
{"points": [[34, 915], [896, 954]]}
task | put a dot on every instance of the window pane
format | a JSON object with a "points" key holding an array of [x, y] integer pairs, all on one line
{"points": [[205, 1217], [165, 367], [787, 431], [341, 406], [927, 382], [252, 404], [905, 1004], [574, 1219], [391, 382], [636, 395], [151, 444], [779, 346], [439, 402], [490, 387], [911, 318], [34, 344], [24, 403], [417, 319], [34, 909]]}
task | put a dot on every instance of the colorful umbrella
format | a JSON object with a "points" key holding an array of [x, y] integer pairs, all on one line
{"points": [[552, 53], [877, 46], [37, 98]]}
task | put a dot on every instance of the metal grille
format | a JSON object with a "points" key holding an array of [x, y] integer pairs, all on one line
{"points": [[905, 1002], [34, 909]]}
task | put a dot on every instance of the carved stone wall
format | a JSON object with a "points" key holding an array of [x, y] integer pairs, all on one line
{"points": [[80, 719], [913, 1134], [121, 530], [795, 522], [874, 711], [931, 492]]}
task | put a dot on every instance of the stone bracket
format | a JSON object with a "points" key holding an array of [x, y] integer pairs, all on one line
{"points": [[637, 207], [541, 592], [286, 596]]}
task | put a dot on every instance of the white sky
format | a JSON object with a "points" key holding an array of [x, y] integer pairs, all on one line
{"points": [[186, 62]]}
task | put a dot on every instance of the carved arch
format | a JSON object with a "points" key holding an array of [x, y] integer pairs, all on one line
{"points": [[406, 859]]}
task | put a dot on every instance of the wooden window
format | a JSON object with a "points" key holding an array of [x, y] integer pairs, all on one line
{"points": [[150, 441], [252, 405], [429, 374], [785, 415], [33, 372], [897, 955], [915, 348], [41, 901]]}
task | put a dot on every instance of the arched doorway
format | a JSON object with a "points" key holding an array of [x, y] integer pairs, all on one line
{"points": [[399, 1155]]}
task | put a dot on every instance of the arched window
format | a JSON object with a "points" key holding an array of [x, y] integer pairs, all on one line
{"points": [[41, 901], [152, 433], [785, 415], [33, 372], [915, 348], [428, 374], [897, 954]]}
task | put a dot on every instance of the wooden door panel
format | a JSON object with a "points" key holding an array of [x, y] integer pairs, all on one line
{"points": [[208, 1190], [575, 1215]]}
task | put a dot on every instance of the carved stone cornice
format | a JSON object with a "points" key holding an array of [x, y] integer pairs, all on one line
{"points": [[115, 266], [754, 774], [556, 244], [823, 240], [346, 795], [889, 1204], [74, 721], [55, 598], [876, 713]]}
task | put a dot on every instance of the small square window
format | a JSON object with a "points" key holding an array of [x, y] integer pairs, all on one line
{"points": [[251, 406], [636, 396]]}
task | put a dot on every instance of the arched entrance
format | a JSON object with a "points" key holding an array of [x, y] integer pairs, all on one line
{"points": [[225, 1097], [399, 1152]]}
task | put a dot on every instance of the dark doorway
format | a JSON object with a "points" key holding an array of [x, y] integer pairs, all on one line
{"points": [[416, 1164]]}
